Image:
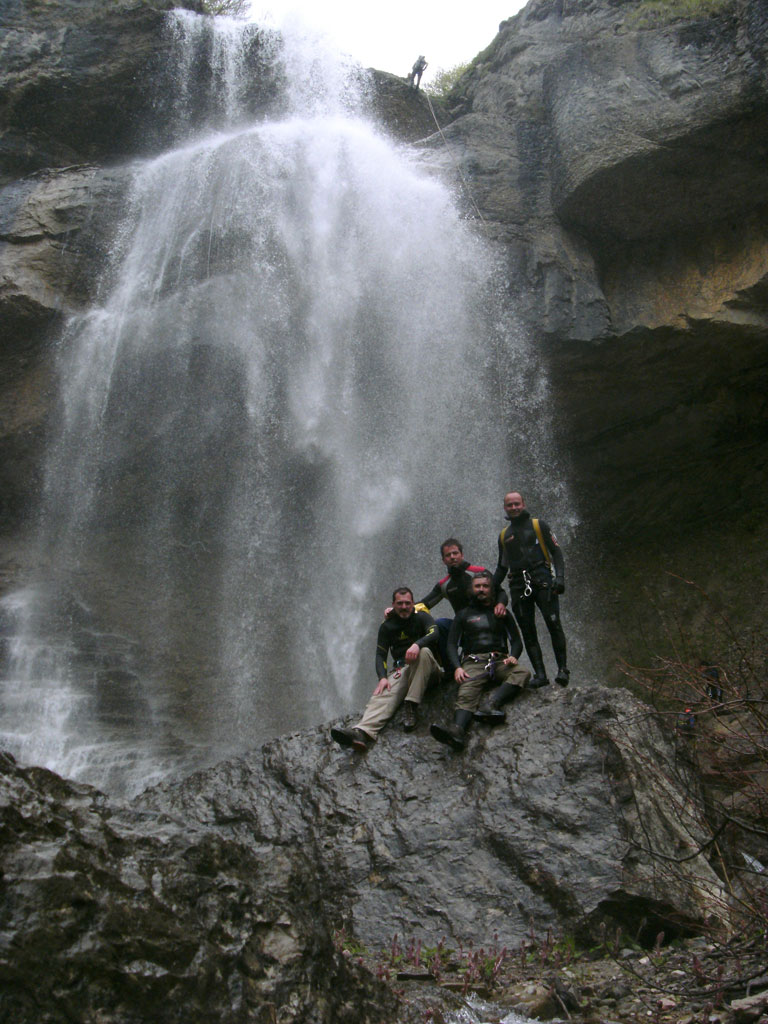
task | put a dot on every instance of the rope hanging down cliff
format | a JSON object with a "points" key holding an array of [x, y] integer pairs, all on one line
{"points": [[500, 377], [458, 169]]}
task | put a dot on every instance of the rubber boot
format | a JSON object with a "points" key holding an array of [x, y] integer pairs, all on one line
{"points": [[454, 735], [539, 671], [563, 676], [491, 709]]}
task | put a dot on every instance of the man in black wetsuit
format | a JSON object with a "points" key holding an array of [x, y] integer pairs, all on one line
{"points": [[409, 636], [490, 648], [455, 588], [530, 555], [418, 69]]}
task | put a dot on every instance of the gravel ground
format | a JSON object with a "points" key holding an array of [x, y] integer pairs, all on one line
{"points": [[694, 981]]}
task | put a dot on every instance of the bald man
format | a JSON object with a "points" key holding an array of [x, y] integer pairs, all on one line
{"points": [[530, 557]]}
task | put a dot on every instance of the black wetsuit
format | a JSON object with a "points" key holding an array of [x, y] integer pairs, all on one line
{"points": [[478, 631], [521, 556], [455, 587], [397, 635]]}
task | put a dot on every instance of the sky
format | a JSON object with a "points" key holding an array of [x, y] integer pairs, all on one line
{"points": [[390, 36]]}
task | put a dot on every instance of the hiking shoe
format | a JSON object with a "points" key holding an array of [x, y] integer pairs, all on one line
{"points": [[450, 734], [563, 677], [350, 738], [409, 716], [362, 740], [537, 682]]}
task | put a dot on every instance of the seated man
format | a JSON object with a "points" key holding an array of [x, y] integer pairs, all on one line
{"points": [[409, 636], [485, 640], [455, 588]]}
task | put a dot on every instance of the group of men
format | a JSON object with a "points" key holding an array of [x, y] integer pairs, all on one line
{"points": [[480, 647]]}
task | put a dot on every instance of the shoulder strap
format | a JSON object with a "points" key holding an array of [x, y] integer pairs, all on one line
{"points": [[540, 535]]}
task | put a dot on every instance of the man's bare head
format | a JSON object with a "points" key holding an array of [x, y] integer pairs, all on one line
{"points": [[514, 504]]}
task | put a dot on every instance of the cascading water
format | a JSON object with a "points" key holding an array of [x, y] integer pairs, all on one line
{"points": [[286, 398]]}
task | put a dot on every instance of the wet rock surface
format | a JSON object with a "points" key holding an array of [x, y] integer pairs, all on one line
{"points": [[113, 913], [222, 894], [618, 159]]}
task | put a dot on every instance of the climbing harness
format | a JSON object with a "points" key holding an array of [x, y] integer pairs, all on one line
{"points": [[490, 664]]}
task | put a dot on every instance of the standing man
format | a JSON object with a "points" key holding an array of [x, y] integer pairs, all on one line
{"points": [[530, 555], [418, 69], [490, 648], [455, 587], [409, 636]]}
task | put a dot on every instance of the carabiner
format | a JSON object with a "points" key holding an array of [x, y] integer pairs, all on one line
{"points": [[527, 589]]}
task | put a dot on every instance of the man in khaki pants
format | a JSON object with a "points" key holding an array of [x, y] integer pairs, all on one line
{"points": [[490, 646], [409, 636]]}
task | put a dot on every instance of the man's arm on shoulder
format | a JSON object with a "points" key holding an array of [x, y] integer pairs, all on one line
{"points": [[433, 597]]}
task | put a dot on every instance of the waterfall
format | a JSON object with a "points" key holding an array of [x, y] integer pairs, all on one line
{"points": [[286, 397]]}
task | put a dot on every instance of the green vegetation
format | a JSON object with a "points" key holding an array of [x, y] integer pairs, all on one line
{"points": [[233, 8], [445, 79], [651, 13]]}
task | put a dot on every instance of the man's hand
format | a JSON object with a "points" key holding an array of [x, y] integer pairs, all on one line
{"points": [[509, 660], [559, 587], [412, 653], [460, 675], [499, 610], [381, 686]]}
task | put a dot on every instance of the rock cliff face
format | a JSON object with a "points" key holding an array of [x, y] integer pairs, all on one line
{"points": [[217, 899], [621, 170], [622, 166]]}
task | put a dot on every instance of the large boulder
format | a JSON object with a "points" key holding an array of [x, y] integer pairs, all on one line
{"points": [[219, 896]]}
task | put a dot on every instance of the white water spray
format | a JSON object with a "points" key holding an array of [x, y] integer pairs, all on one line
{"points": [[284, 401]]}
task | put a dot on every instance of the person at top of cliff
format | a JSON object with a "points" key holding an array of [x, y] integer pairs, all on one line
{"points": [[532, 560], [418, 69], [409, 636], [455, 588], [490, 648]]}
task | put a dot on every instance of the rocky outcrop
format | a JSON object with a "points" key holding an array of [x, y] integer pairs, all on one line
{"points": [[70, 88], [619, 159], [408, 114], [218, 897]]}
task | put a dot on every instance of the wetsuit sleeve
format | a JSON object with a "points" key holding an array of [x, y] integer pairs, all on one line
{"points": [[452, 646], [430, 637], [382, 650], [501, 567], [433, 597], [501, 597], [558, 562], [515, 641]]}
